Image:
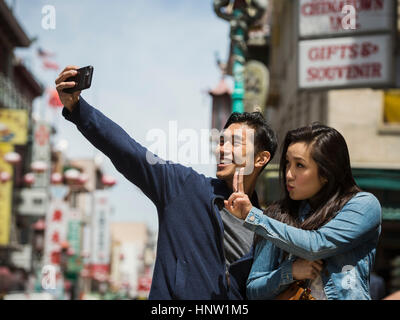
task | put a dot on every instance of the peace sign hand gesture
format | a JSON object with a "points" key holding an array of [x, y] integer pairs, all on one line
{"points": [[238, 203]]}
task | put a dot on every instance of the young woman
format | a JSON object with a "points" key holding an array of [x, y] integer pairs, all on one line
{"points": [[324, 230]]}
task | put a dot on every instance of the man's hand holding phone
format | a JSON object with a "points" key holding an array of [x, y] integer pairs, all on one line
{"points": [[67, 99], [71, 82]]}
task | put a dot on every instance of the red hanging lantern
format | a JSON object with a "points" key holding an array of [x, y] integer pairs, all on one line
{"points": [[40, 225], [39, 166], [29, 178], [108, 181], [5, 176], [56, 178], [72, 175], [12, 158]]}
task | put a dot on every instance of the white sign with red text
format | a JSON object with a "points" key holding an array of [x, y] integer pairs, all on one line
{"points": [[350, 61], [327, 17], [101, 240], [56, 231]]}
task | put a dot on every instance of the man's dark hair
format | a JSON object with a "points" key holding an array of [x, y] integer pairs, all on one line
{"points": [[264, 136]]}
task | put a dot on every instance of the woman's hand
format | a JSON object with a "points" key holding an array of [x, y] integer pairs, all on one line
{"points": [[238, 203], [304, 269]]}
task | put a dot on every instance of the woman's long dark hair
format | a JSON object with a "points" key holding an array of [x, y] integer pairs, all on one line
{"points": [[329, 150]]}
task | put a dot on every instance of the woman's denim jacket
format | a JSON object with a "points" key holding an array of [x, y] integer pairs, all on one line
{"points": [[346, 244]]}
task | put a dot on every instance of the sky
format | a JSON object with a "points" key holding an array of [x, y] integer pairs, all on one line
{"points": [[154, 62]]}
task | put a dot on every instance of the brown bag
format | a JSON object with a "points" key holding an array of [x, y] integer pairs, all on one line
{"points": [[296, 291]]}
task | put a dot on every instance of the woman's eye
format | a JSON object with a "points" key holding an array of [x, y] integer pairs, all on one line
{"points": [[299, 165]]}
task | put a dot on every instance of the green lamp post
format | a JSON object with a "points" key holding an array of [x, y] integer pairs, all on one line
{"points": [[238, 13]]}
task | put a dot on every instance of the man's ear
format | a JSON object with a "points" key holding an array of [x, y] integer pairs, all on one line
{"points": [[262, 159]]}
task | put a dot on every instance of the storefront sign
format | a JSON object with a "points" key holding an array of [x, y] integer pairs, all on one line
{"points": [[56, 225], [327, 17], [32, 202], [100, 255], [13, 126], [74, 236], [41, 152], [5, 196], [349, 61]]}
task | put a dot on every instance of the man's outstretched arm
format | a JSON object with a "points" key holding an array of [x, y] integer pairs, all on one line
{"points": [[159, 180]]}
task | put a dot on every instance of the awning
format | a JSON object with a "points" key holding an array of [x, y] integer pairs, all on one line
{"points": [[391, 213], [377, 178]]}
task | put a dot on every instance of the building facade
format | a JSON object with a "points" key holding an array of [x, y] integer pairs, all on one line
{"points": [[366, 115], [18, 89]]}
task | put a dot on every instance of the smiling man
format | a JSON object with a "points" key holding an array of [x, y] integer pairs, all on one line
{"points": [[200, 245]]}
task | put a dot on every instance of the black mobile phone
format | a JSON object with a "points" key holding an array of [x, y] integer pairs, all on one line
{"points": [[83, 80]]}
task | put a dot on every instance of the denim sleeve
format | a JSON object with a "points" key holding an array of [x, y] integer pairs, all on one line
{"points": [[359, 220], [159, 180], [267, 278]]}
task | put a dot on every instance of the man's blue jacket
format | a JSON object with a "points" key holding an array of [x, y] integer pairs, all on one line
{"points": [[190, 261]]}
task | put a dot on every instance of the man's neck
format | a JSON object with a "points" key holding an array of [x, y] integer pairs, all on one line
{"points": [[249, 185]]}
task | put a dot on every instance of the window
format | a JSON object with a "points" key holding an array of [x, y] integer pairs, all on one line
{"points": [[37, 201], [391, 109], [390, 118]]}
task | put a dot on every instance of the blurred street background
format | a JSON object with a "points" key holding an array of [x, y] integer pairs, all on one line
{"points": [[71, 226]]}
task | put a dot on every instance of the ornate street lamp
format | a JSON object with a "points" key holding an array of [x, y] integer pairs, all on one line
{"points": [[39, 166], [29, 178], [5, 177], [241, 14], [56, 178]]}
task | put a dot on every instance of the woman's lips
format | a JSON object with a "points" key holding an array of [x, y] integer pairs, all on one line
{"points": [[289, 188]]}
